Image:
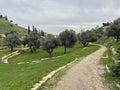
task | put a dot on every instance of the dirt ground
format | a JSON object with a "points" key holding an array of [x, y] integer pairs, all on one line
{"points": [[86, 75]]}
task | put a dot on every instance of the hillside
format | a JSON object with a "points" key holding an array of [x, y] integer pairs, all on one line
{"points": [[6, 26]]}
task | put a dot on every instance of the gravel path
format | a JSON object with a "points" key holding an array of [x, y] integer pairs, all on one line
{"points": [[85, 75]]}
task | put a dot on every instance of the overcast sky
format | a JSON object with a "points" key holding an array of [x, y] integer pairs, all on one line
{"points": [[54, 16]]}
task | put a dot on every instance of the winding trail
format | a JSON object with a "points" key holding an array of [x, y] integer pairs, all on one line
{"points": [[85, 75]]}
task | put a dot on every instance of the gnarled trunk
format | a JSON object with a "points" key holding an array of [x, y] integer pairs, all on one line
{"points": [[65, 49]]}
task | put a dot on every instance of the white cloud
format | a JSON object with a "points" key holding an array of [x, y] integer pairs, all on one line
{"points": [[53, 14]]}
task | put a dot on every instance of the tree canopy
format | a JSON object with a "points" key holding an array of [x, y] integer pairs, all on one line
{"points": [[114, 29], [12, 40], [87, 36], [32, 40], [49, 44], [68, 38]]}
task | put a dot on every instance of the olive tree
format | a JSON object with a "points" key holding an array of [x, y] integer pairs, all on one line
{"points": [[79, 37], [49, 44], [86, 37], [32, 40], [114, 29], [68, 39], [12, 40], [105, 24]]}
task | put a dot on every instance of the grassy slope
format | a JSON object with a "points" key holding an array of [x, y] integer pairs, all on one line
{"points": [[106, 40], [109, 78], [1, 43], [108, 60], [5, 27], [23, 77], [112, 80], [4, 52]]}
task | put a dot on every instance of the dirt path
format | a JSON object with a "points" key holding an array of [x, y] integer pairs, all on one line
{"points": [[85, 75]]}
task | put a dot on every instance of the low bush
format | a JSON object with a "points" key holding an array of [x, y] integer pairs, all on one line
{"points": [[116, 69], [118, 52]]}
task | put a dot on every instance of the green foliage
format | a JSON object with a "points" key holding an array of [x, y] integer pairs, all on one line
{"points": [[106, 40], [98, 31], [42, 33], [1, 16], [49, 44], [86, 37], [32, 40], [118, 52], [28, 29], [108, 59], [6, 18], [112, 80], [114, 29], [1, 43], [68, 38], [106, 24], [90, 35], [116, 69], [12, 40]]}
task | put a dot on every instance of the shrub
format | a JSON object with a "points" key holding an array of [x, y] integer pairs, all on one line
{"points": [[118, 52], [115, 69]]}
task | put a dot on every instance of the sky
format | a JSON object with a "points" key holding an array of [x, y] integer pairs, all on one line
{"points": [[54, 16]]}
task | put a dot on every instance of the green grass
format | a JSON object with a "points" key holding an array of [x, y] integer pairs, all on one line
{"points": [[106, 40], [27, 56], [51, 83], [109, 77], [5, 27], [112, 80], [107, 58], [4, 52], [1, 43], [24, 76]]}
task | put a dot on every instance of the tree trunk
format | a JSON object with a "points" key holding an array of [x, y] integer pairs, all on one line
{"points": [[50, 53], [117, 38], [65, 50], [31, 49], [11, 48]]}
